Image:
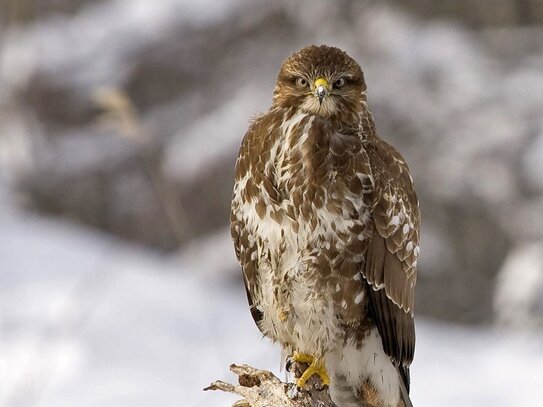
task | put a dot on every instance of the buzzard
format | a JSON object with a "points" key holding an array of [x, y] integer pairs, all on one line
{"points": [[325, 223]]}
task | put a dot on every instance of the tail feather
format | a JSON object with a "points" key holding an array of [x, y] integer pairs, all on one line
{"points": [[403, 372]]}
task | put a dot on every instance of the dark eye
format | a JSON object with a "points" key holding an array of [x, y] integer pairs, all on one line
{"points": [[339, 83], [301, 82]]}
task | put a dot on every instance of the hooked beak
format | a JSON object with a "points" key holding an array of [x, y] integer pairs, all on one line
{"points": [[321, 89]]}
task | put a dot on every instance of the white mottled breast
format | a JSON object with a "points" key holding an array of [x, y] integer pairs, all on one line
{"points": [[296, 310]]}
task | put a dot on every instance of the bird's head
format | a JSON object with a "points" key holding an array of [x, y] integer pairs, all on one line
{"points": [[320, 80]]}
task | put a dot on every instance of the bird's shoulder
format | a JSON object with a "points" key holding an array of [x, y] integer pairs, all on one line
{"points": [[393, 181]]}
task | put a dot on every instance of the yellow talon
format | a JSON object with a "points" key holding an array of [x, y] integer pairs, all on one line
{"points": [[303, 358], [316, 366]]}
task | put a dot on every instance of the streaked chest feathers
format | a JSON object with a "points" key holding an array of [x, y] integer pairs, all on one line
{"points": [[301, 202]]}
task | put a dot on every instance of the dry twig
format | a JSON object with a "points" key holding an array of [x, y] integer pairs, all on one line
{"points": [[260, 388]]}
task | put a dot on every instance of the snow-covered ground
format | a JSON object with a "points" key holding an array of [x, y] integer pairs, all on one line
{"points": [[88, 321]]}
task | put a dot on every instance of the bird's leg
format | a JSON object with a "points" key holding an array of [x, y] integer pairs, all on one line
{"points": [[316, 366]]}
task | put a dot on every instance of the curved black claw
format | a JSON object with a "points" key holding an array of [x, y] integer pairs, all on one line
{"points": [[320, 386], [289, 364]]}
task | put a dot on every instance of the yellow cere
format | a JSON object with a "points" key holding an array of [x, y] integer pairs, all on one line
{"points": [[323, 82]]}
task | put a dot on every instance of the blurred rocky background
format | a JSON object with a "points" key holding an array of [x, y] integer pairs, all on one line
{"points": [[126, 115]]}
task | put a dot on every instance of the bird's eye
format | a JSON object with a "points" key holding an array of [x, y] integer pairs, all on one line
{"points": [[301, 82], [339, 83]]}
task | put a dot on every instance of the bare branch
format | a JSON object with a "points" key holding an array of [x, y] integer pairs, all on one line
{"points": [[261, 388]]}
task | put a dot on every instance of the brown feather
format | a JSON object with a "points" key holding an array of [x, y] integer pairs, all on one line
{"points": [[316, 187], [390, 268]]}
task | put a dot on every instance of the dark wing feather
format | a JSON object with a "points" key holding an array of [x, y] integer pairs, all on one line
{"points": [[391, 259]]}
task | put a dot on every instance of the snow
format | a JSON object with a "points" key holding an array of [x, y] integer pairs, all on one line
{"points": [[87, 320], [514, 303], [456, 366], [212, 255]]}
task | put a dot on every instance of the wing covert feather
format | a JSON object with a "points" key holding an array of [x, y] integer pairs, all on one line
{"points": [[391, 259]]}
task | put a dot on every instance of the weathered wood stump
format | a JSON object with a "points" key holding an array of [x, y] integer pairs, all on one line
{"points": [[261, 388]]}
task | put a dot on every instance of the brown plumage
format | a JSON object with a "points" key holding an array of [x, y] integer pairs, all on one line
{"points": [[325, 223]]}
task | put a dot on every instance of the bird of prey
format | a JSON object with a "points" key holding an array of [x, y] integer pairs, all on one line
{"points": [[325, 224]]}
